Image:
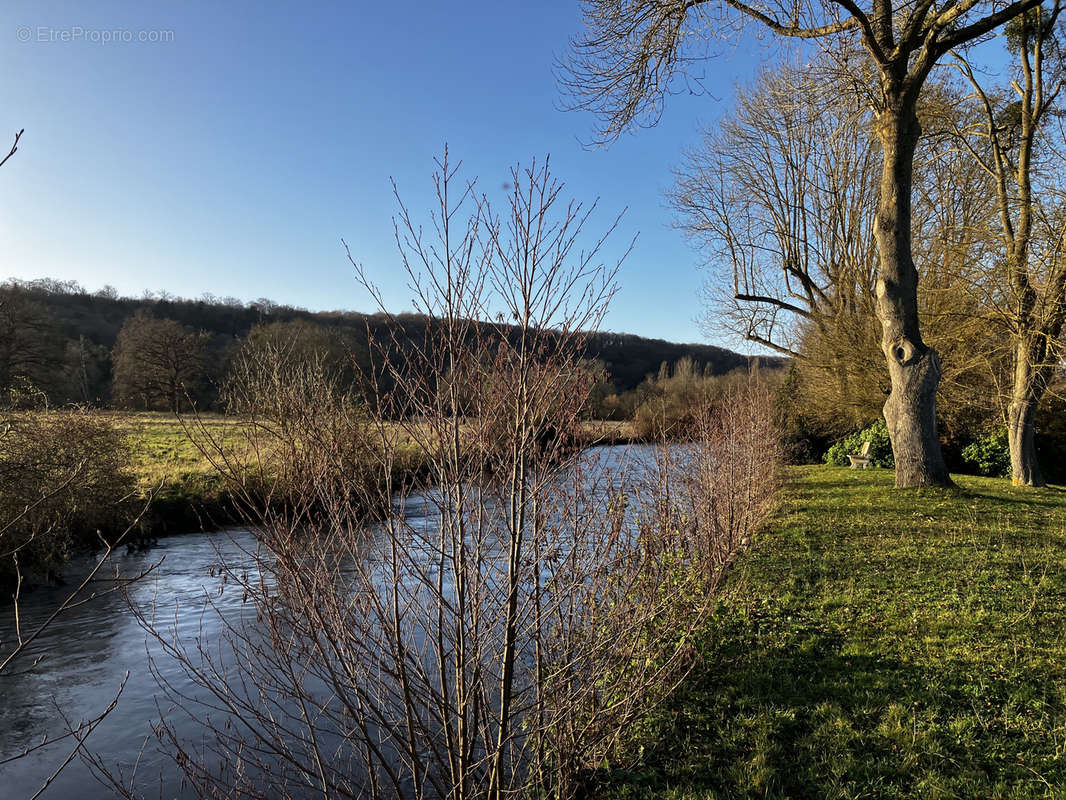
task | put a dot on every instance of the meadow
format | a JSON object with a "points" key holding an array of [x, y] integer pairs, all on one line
{"points": [[161, 449], [165, 456]]}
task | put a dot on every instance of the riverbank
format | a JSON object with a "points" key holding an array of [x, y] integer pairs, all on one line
{"points": [[182, 489], [187, 493], [876, 643]]}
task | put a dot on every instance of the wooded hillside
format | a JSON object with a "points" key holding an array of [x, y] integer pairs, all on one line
{"points": [[60, 339]]}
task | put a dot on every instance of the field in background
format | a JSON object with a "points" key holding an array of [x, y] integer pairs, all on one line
{"points": [[162, 450]]}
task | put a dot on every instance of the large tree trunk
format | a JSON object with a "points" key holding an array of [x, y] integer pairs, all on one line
{"points": [[1029, 384], [1025, 471], [913, 368]]}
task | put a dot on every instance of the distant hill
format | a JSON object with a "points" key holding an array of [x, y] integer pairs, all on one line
{"points": [[59, 337]]}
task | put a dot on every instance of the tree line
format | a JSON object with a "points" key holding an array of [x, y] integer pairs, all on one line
{"points": [[61, 344]]}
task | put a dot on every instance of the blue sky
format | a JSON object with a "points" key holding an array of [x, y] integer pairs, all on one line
{"points": [[234, 157]]}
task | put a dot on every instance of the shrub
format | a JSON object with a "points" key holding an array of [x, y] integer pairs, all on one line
{"points": [[989, 455], [1051, 434], [670, 404], [880, 451], [63, 475], [306, 435]]}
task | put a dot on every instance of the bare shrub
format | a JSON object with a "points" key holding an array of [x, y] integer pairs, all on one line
{"points": [[63, 475], [496, 630], [734, 474], [305, 437], [672, 401]]}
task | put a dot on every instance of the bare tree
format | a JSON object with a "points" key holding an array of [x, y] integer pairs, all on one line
{"points": [[1016, 141], [633, 53], [498, 628], [780, 198], [297, 342], [157, 362]]}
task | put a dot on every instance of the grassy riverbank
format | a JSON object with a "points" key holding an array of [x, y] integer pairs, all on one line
{"points": [[163, 452], [878, 643], [189, 492]]}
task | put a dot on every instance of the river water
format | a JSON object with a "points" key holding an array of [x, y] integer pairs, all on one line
{"points": [[86, 652]]}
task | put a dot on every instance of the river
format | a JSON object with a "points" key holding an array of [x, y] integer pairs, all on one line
{"points": [[85, 653]]}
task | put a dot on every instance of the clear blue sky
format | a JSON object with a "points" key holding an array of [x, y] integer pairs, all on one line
{"points": [[234, 157]]}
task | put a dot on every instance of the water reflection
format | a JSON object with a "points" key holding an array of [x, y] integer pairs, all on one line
{"points": [[85, 653]]}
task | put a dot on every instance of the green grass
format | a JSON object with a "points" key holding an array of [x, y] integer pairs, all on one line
{"points": [[162, 451], [877, 643]]}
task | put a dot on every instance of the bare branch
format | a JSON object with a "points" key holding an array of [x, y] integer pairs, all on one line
{"points": [[14, 147]]}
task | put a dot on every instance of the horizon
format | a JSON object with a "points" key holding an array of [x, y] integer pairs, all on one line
{"points": [[55, 286]]}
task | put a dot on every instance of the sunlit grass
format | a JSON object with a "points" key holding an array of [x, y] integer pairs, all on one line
{"points": [[168, 451], [162, 450], [878, 643]]}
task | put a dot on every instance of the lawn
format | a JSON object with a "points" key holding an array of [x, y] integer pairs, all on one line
{"points": [[876, 643]]}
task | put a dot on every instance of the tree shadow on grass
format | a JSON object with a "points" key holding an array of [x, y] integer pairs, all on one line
{"points": [[1044, 497], [888, 500], [780, 708]]}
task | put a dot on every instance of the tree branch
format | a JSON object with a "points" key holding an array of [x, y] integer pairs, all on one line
{"points": [[873, 46], [773, 301], [751, 336], [14, 147], [979, 28], [794, 31]]}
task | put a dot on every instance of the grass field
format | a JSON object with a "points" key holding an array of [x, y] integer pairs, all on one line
{"points": [[164, 453], [877, 643], [161, 449]]}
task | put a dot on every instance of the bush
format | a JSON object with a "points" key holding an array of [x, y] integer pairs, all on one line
{"points": [[989, 455], [305, 433], [880, 451], [1051, 434], [670, 403], [803, 439], [63, 477]]}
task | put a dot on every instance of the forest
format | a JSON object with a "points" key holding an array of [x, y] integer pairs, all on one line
{"points": [[101, 350]]}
